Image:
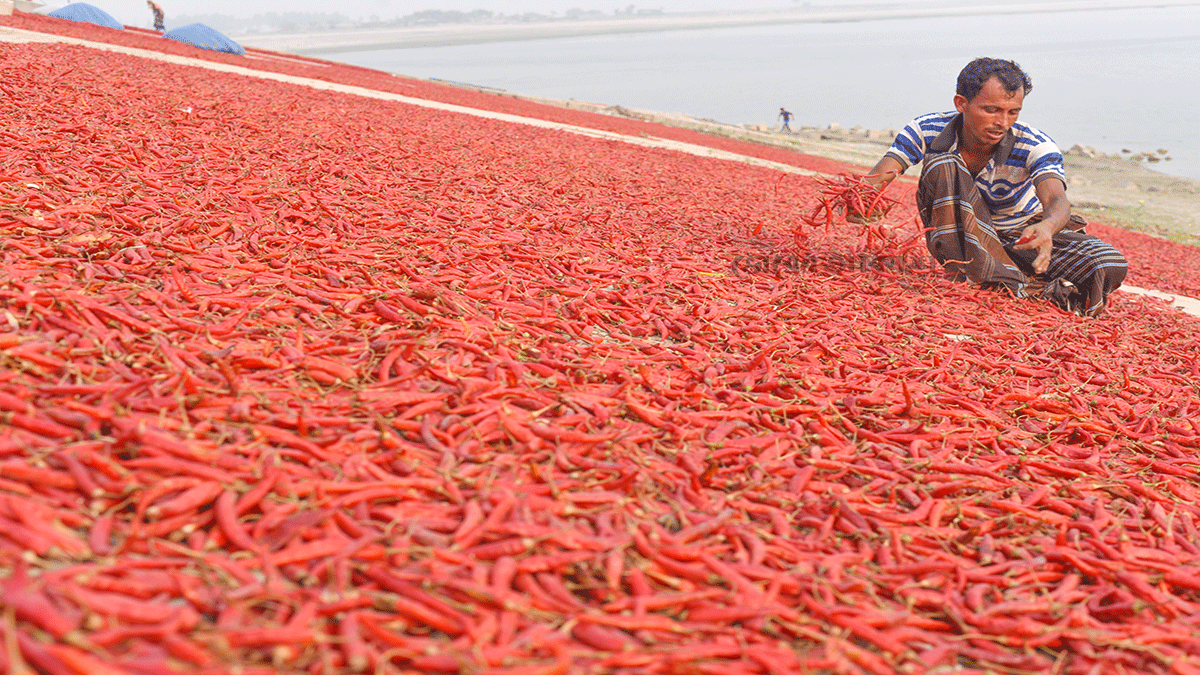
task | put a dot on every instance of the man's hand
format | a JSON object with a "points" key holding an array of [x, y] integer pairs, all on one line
{"points": [[1056, 213], [1038, 236], [865, 219], [869, 187]]}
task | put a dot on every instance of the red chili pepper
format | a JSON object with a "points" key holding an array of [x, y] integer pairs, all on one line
{"points": [[511, 411]]}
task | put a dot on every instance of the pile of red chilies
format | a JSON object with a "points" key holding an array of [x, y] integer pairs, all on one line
{"points": [[295, 381]]}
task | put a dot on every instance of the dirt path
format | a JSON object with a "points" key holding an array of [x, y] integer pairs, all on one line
{"points": [[848, 150]]}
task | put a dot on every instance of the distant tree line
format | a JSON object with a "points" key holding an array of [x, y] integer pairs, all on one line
{"points": [[271, 22], [311, 22]]}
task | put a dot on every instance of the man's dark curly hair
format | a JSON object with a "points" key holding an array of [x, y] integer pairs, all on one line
{"points": [[1011, 77]]}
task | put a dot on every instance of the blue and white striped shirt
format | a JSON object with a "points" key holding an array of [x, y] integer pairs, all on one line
{"points": [[1024, 158]]}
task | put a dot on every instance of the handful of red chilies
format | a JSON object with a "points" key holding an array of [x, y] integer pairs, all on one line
{"points": [[853, 197]]}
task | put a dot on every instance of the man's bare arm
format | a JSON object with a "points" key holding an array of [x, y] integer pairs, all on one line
{"points": [[884, 172]]}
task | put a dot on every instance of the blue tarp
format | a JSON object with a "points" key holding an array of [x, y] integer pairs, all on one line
{"points": [[199, 35], [81, 11]]}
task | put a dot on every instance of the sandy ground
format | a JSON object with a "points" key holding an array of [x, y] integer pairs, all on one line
{"points": [[1107, 179]]}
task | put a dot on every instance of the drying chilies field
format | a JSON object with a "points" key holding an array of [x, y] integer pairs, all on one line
{"points": [[297, 381]]}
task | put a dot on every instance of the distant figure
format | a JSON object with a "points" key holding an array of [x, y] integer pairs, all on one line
{"points": [[786, 117], [158, 15]]}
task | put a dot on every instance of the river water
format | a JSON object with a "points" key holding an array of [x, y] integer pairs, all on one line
{"points": [[1126, 79]]}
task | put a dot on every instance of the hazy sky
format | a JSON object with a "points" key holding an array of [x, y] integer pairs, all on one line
{"points": [[136, 13]]}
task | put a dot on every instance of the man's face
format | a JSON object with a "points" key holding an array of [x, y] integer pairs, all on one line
{"points": [[988, 116]]}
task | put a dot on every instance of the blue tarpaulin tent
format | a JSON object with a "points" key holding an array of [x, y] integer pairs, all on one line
{"points": [[199, 35], [81, 11]]}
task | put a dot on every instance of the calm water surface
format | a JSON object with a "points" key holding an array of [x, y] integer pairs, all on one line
{"points": [[1111, 79]]}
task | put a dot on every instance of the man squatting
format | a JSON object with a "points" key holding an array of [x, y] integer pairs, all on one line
{"points": [[992, 196]]}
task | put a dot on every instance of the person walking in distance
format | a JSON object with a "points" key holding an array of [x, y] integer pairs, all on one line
{"points": [[158, 15], [786, 117]]}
